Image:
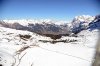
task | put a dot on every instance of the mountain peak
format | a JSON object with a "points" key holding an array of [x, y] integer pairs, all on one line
{"points": [[85, 18]]}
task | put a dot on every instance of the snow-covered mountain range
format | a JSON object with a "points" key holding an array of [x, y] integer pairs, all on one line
{"points": [[22, 42], [51, 27], [37, 26]]}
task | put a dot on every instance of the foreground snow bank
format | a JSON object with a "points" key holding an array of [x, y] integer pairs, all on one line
{"points": [[16, 51]]}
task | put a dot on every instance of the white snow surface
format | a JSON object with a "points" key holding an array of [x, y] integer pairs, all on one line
{"points": [[15, 51]]}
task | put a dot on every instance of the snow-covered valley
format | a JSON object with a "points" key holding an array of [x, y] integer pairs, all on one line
{"points": [[23, 47]]}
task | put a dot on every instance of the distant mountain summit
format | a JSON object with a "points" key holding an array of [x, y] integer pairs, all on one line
{"points": [[80, 23]]}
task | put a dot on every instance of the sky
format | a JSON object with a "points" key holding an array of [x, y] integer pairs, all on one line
{"points": [[47, 9]]}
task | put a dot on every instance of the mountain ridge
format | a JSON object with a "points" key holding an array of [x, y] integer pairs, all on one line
{"points": [[78, 24]]}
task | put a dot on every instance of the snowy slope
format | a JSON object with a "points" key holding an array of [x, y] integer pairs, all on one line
{"points": [[24, 48], [11, 43], [33, 52]]}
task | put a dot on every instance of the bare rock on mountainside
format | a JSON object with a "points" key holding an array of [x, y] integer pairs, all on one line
{"points": [[24, 36]]}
